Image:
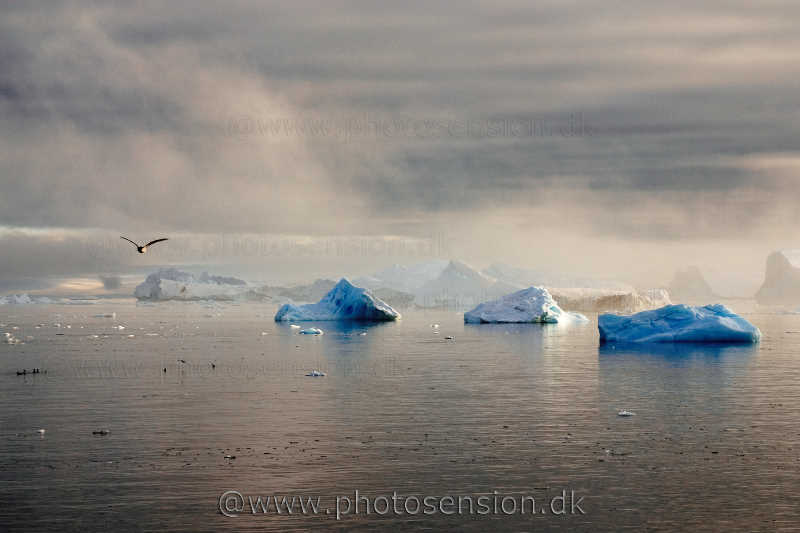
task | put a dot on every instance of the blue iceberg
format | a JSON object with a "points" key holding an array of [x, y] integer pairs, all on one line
{"points": [[343, 302], [678, 323]]}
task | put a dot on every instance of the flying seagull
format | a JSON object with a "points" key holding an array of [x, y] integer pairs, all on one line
{"points": [[142, 249]]}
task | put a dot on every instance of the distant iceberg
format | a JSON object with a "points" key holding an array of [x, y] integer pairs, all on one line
{"points": [[343, 302], [173, 284], [678, 323], [606, 300], [533, 304], [690, 285], [24, 299], [404, 278], [782, 279], [459, 286]]}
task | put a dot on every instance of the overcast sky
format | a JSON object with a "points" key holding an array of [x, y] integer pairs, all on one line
{"points": [[599, 137]]}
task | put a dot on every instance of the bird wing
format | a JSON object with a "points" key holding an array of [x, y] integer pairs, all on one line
{"points": [[130, 241], [155, 241]]}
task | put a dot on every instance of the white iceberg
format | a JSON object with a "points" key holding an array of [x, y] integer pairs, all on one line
{"points": [[533, 304], [173, 284], [343, 302], [311, 331], [24, 299], [678, 323]]}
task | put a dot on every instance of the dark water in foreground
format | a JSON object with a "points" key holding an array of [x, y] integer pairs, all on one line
{"points": [[521, 410]]}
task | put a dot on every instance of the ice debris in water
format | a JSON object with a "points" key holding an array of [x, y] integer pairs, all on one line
{"points": [[315, 374], [311, 331], [625, 413], [294, 326]]}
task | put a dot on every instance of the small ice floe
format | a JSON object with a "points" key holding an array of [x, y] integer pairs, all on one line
{"points": [[435, 326], [151, 334], [119, 327], [316, 374], [106, 315], [294, 326], [625, 413], [264, 333], [362, 334], [449, 338], [102, 432], [311, 331], [40, 432], [94, 336], [131, 336]]}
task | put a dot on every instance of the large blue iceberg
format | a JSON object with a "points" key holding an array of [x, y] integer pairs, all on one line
{"points": [[343, 302], [678, 323]]}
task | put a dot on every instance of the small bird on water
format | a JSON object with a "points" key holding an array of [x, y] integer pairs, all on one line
{"points": [[142, 249]]}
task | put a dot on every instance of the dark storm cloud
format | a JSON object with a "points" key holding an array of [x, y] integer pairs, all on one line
{"points": [[128, 115]]}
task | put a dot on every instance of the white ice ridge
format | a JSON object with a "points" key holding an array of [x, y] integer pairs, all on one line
{"points": [[678, 323], [23, 299], [533, 304], [343, 302], [173, 284]]}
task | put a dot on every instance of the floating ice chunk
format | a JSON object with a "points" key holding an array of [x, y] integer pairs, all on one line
{"points": [[362, 334], [41, 432], [311, 331], [294, 326], [343, 302], [316, 374], [106, 315], [264, 333], [625, 413], [119, 327], [678, 323], [533, 304]]}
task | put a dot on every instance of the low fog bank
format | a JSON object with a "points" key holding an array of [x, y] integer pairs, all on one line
{"points": [[45, 261]]}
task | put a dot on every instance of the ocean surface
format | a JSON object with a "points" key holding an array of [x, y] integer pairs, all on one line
{"points": [[497, 411]]}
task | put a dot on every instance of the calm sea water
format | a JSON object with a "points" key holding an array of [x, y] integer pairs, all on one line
{"points": [[520, 410]]}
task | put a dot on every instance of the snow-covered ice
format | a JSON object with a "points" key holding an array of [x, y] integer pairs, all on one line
{"points": [[534, 304], [678, 323], [173, 284], [344, 302], [24, 299]]}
